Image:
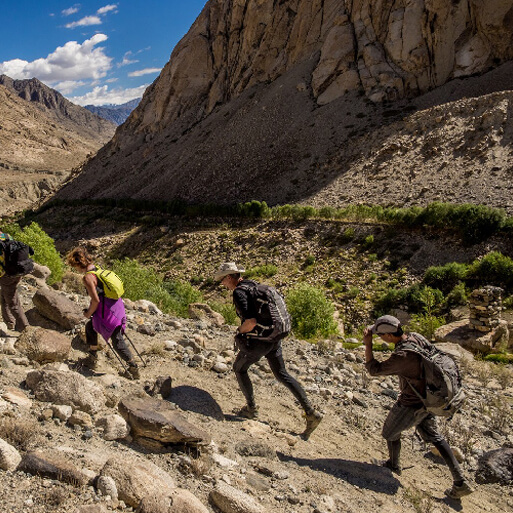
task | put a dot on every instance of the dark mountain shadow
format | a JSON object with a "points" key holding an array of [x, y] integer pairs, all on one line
{"points": [[363, 475], [197, 400]]}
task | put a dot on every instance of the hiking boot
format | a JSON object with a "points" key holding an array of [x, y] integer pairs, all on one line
{"points": [[396, 469], [248, 412], [90, 361], [459, 491], [313, 419], [133, 371]]}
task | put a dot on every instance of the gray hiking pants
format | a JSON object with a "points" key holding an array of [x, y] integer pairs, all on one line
{"points": [[118, 342], [12, 311], [402, 418]]}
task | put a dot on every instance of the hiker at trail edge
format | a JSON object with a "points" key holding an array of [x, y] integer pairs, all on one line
{"points": [[10, 276], [264, 324], [409, 410], [106, 315]]}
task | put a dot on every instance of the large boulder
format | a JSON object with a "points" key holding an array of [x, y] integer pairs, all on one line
{"points": [[54, 466], [230, 500], [202, 311], [57, 307], [114, 427], [66, 387], [9, 456], [179, 501], [496, 467], [42, 345], [137, 478], [156, 419], [460, 332]]}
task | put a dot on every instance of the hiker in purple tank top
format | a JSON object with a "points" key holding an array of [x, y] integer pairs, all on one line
{"points": [[107, 316]]}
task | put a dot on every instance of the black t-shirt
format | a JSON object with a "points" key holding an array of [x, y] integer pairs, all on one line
{"points": [[243, 304]]}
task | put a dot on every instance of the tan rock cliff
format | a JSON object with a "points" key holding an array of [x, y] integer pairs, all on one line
{"points": [[260, 95]]}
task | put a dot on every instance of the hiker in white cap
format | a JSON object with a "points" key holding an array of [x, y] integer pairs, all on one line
{"points": [[409, 409], [264, 323]]}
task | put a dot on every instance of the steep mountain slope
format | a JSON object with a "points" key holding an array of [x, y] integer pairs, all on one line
{"points": [[282, 101], [37, 151], [115, 113], [73, 117]]}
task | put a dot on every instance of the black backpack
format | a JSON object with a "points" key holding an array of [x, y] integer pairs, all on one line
{"points": [[444, 393], [16, 259], [273, 319]]}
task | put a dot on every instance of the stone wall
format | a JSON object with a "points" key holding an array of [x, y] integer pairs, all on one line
{"points": [[485, 308]]}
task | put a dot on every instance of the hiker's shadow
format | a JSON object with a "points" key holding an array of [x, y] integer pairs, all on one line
{"points": [[197, 400], [362, 475]]}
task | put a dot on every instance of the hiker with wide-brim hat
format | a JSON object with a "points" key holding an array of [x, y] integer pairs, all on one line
{"points": [[106, 316], [255, 341]]}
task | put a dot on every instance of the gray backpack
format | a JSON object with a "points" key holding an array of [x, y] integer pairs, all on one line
{"points": [[444, 394], [273, 319]]}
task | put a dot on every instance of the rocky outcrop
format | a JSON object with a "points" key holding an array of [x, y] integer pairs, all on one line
{"points": [[54, 466], [136, 479], [156, 419], [66, 388], [230, 500], [271, 101], [42, 345], [9, 456], [496, 467], [57, 307]]}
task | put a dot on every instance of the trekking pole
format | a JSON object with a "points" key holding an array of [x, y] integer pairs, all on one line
{"points": [[135, 348], [125, 369]]}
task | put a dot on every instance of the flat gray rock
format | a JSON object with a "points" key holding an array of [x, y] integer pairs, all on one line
{"points": [[156, 419]]}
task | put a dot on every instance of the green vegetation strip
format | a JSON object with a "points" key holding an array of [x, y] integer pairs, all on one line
{"points": [[473, 222]]}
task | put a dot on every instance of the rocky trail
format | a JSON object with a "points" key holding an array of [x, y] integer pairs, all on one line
{"points": [[77, 453]]}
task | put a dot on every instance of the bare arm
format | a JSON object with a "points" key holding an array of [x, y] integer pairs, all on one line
{"points": [[90, 282], [367, 340], [247, 326]]}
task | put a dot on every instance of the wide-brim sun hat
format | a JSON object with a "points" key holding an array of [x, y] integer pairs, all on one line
{"points": [[227, 268], [385, 324]]}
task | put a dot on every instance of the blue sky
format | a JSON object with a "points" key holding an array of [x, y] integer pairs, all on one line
{"points": [[93, 52]]}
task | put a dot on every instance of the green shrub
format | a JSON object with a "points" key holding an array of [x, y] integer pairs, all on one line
{"points": [[266, 271], [416, 298], [309, 260], [499, 358], [493, 269], [445, 277], [43, 245], [227, 310], [144, 283], [368, 241], [311, 311], [425, 324], [348, 235], [457, 296]]}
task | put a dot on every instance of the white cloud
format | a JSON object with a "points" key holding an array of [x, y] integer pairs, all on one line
{"points": [[68, 86], [107, 8], [71, 10], [71, 62], [126, 60], [103, 96], [145, 71], [85, 22]]}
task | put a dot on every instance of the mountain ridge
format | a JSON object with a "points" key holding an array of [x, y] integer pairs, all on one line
{"points": [[117, 114], [272, 104]]}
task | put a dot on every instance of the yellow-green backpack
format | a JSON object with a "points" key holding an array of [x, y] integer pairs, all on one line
{"points": [[112, 284]]}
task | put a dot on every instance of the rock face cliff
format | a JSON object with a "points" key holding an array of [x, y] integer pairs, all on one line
{"points": [[260, 96], [68, 115], [42, 138]]}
